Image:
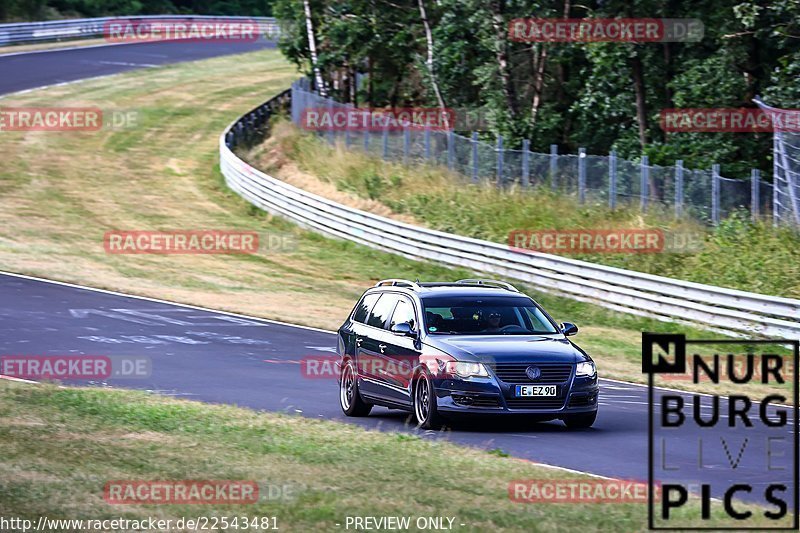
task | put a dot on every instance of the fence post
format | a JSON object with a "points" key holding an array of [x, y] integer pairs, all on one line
{"points": [[329, 134], [644, 183], [450, 149], [526, 170], [679, 188], [474, 156], [427, 143], [347, 137], [612, 179], [755, 194], [499, 160], [385, 150], [715, 194], [406, 143], [366, 139], [553, 166], [776, 217], [581, 175]]}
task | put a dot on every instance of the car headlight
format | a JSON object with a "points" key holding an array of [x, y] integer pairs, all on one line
{"points": [[466, 370], [586, 368]]}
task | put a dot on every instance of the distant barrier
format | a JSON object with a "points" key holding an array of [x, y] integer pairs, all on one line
{"points": [[613, 288], [55, 30]]}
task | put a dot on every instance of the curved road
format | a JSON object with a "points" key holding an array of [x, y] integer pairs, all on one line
{"points": [[48, 67], [217, 357]]}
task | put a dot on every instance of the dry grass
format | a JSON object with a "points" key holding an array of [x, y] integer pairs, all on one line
{"points": [[14, 49], [84, 438], [60, 192]]}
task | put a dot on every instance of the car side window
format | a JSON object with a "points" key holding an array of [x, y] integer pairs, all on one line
{"points": [[381, 311], [404, 312], [364, 307]]}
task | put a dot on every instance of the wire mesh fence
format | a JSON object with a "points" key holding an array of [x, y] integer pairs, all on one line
{"points": [[703, 195], [786, 169]]}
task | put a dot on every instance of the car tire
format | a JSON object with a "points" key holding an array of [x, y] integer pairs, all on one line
{"points": [[426, 412], [580, 420], [349, 398]]}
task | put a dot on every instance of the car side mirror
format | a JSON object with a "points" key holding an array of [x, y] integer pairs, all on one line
{"points": [[404, 329], [569, 329]]}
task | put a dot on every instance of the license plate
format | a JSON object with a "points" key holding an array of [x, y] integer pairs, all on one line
{"points": [[537, 390]]}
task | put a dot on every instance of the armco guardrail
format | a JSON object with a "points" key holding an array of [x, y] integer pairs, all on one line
{"points": [[52, 30], [614, 288]]}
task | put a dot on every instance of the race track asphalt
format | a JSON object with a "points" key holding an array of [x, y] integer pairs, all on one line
{"points": [[216, 357]]}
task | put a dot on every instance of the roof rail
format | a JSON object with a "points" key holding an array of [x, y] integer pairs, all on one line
{"points": [[488, 283], [395, 282]]}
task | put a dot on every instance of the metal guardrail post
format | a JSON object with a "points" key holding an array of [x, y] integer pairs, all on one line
{"points": [[582, 175], [526, 165], [474, 143], [755, 194], [499, 160], [644, 183], [553, 166], [715, 194], [612, 179]]}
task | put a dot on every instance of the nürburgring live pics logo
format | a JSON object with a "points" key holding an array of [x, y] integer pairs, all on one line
{"points": [[729, 459]]}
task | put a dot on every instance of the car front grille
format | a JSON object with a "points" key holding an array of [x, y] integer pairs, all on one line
{"points": [[535, 403], [515, 372]]}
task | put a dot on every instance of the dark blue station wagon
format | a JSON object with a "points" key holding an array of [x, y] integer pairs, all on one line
{"points": [[443, 350]]}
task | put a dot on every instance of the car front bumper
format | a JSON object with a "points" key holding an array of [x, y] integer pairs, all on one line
{"points": [[492, 397]]}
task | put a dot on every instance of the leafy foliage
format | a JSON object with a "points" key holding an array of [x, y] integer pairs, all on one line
{"points": [[587, 92]]}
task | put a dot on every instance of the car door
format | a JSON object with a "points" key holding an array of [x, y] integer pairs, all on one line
{"points": [[403, 351], [371, 347], [354, 331]]}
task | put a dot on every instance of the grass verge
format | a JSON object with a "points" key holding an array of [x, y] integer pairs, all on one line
{"points": [[60, 192], [738, 254], [62, 445]]}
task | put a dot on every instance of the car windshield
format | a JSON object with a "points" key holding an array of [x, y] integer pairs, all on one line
{"points": [[475, 315]]}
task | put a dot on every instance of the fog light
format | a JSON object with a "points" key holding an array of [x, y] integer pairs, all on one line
{"points": [[462, 400]]}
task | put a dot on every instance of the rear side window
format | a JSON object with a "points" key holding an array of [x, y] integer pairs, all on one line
{"points": [[404, 312], [364, 307], [382, 310]]}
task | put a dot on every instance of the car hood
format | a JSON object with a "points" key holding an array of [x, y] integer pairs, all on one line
{"points": [[508, 348]]}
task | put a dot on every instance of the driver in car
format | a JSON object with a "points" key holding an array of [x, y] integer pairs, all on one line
{"points": [[493, 322]]}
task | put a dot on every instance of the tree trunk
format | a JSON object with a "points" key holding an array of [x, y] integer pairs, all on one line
{"points": [[540, 60], [637, 74], [312, 47], [430, 63], [501, 53], [638, 88]]}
